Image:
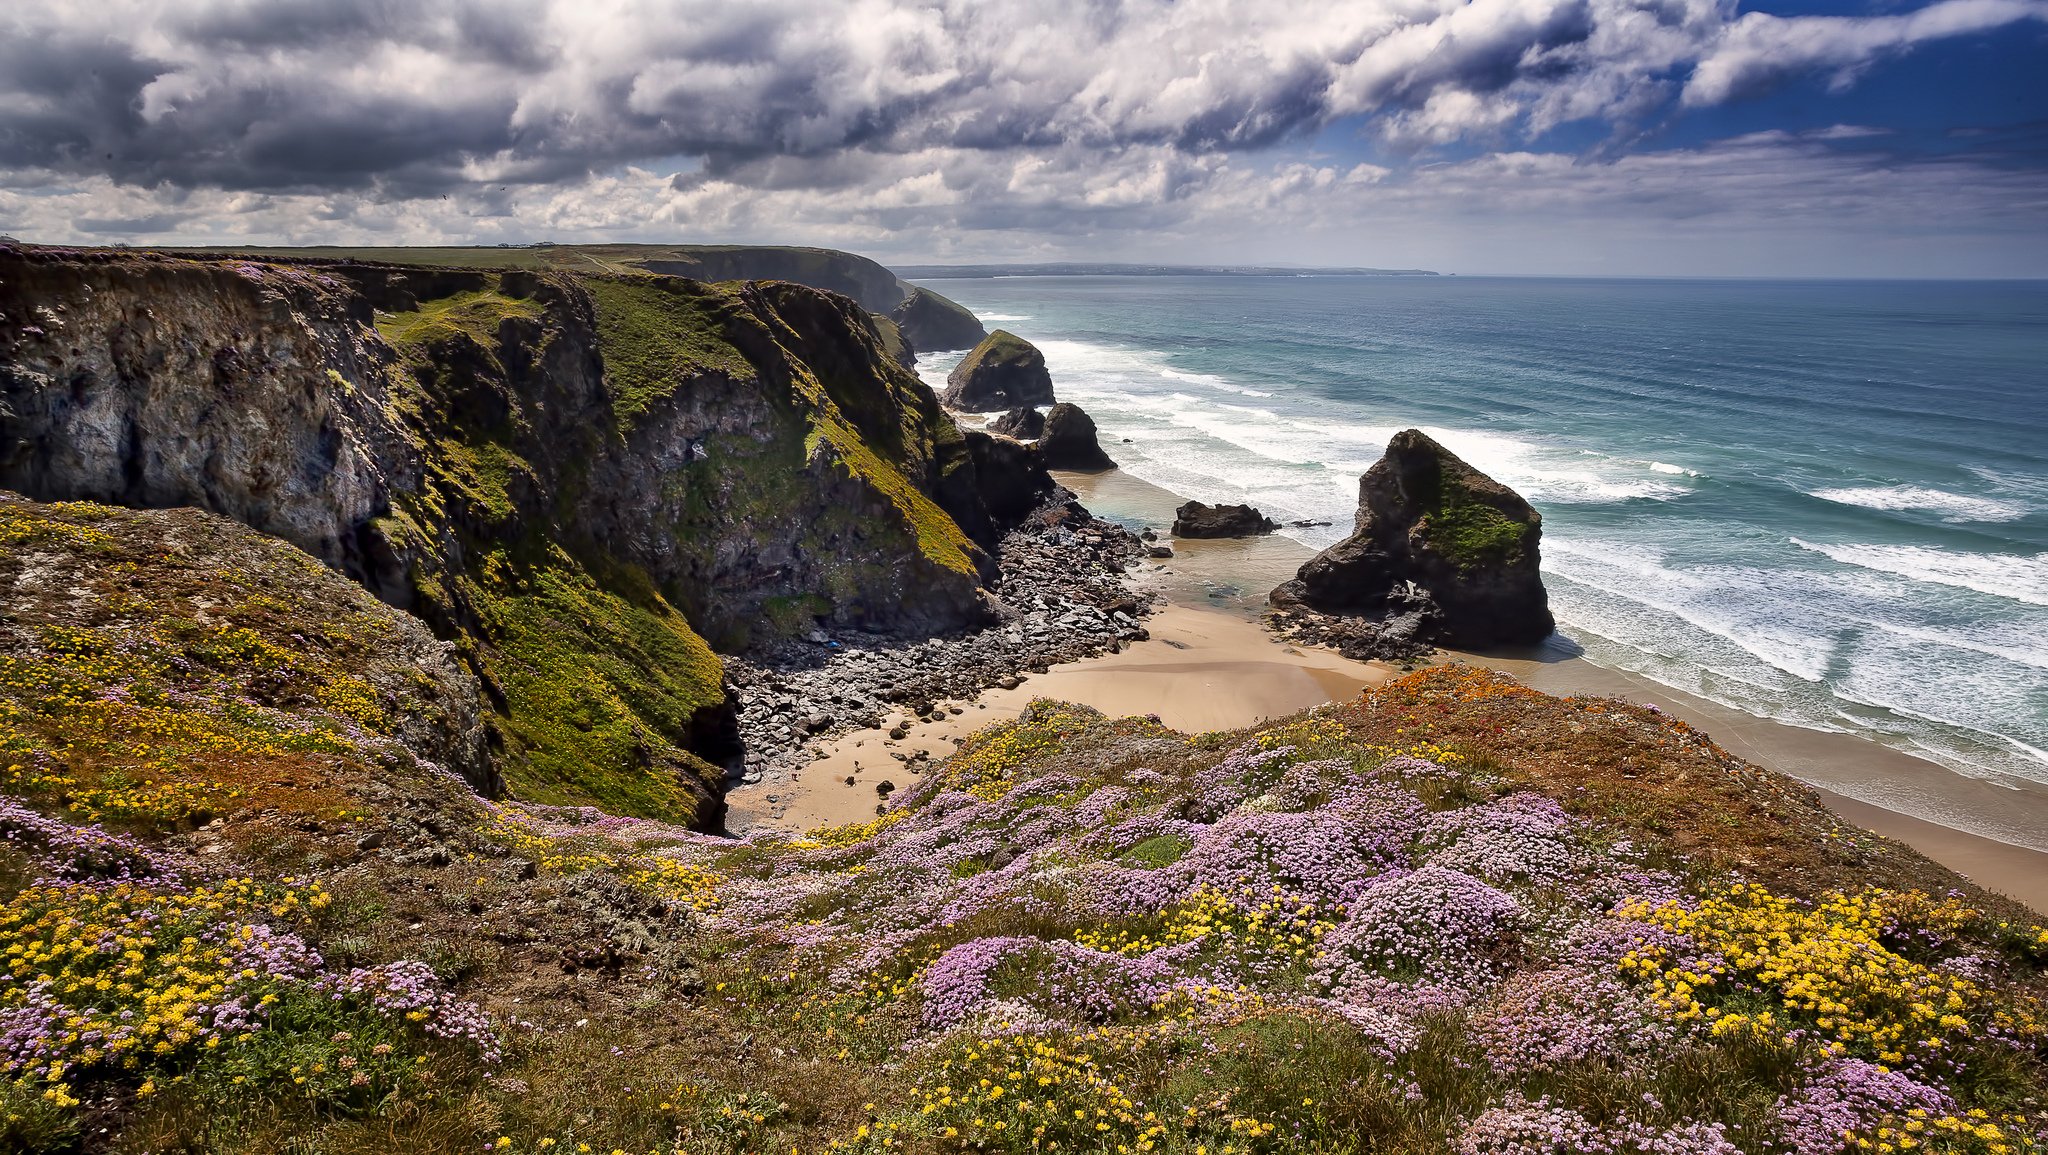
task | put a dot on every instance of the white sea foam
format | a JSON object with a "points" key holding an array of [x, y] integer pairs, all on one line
{"points": [[2019, 577], [1673, 470], [986, 317], [1920, 499]]}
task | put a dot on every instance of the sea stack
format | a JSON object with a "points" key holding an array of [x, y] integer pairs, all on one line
{"points": [[1196, 519], [1003, 372], [1068, 440], [1428, 523]]}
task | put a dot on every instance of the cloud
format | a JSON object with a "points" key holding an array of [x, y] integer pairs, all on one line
{"points": [[419, 100], [1765, 203], [1759, 49]]}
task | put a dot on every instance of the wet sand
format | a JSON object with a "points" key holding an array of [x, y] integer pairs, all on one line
{"points": [[1210, 665]]}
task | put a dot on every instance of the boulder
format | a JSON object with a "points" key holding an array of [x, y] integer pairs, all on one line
{"points": [[1003, 372], [1430, 524], [1025, 424], [1068, 440], [1198, 520], [931, 322]]}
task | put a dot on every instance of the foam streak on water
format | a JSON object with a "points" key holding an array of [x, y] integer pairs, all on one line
{"points": [[1825, 503]]}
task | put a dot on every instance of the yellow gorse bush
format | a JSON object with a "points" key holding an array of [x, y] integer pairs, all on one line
{"points": [[1275, 923], [1765, 964], [125, 974]]}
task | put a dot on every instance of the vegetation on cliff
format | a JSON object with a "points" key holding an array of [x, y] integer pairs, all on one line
{"points": [[1451, 915]]}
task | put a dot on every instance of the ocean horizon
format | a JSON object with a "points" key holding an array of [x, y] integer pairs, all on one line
{"points": [[1823, 502]]}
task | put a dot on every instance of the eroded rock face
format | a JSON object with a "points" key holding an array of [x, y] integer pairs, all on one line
{"points": [[931, 322], [1068, 440], [1003, 372], [1196, 519], [1430, 524], [1024, 424]]}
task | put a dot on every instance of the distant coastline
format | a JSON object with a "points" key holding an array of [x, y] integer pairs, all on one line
{"points": [[1075, 269]]}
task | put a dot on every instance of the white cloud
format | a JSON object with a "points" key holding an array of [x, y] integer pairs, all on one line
{"points": [[1759, 48]]}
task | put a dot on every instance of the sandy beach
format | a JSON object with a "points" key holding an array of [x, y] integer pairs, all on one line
{"points": [[1210, 665]]}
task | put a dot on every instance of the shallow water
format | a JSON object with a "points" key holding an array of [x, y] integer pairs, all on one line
{"points": [[1820, 502]]}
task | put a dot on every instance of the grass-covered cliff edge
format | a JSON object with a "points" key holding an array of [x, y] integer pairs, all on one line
{"points": [[586, 481], [252, 903]]}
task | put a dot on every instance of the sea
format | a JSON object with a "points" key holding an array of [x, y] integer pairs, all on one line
{"points": [[1821, 502]]}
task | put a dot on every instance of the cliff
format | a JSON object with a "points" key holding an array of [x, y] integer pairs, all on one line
{"points": [[928, 321], [586, 482]]}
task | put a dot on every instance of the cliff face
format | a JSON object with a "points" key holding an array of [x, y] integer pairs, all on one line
{"points": [[580, 480]]}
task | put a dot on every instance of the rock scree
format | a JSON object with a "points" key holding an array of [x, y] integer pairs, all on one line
{"points": [[1196, 519], [1068, 440], [1003, 372], [1440, 550]]}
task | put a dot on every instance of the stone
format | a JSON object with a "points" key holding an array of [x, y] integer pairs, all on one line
{"points": [[1068, 440], [1161, 551], [1024, 424], [1197, 519], [1436, 537], [1003, 372]]}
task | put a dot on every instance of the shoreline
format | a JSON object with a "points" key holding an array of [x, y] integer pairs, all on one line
{"points": [[1211, 664]]}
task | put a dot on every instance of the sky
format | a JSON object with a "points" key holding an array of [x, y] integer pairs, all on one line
{"points": [[1626, 137]]}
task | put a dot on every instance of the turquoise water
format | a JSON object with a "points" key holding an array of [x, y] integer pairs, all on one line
{"points": [[1824, 502]]}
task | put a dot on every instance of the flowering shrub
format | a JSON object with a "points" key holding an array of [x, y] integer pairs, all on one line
{"points": [[1435, 925], [138, 978], [1519, 1127], [1825, 969]]}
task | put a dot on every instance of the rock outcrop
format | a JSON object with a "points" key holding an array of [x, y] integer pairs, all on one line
{"points": [[585, 482], [1003, 372], [932, 323], [1068, 440], [1011, 476], [1437, 539], [1024, 424], [1196, 519]]}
